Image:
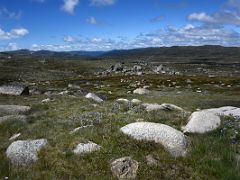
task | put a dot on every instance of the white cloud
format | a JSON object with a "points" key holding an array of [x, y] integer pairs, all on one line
{"points": [[5, 13], [221, 17], [14, 33], [92, 20], [69, 6], [9, 47], [202, 17], [102, 2]]}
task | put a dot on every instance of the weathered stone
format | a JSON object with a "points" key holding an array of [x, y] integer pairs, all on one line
{"points": [[173, 140], [136, 102], [14, 109], [85, 148], [171, 107], [15, 89], [25, 152], [202, 122], [151, 161], [124, 168], [14, 137], [94, 97], [226, 111], [122, 100], [152, 107], [141, 91]]}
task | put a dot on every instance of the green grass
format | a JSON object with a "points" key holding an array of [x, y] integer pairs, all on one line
{"points": [[211, 156]]}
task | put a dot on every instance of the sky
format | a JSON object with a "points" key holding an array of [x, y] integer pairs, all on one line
{"points": [[102, 25]]}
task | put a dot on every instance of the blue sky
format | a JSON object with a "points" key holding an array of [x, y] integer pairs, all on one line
{"points": [[64, 25]]}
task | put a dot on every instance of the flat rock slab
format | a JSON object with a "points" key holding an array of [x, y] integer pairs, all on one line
{"points": [[225, 111], [15, 89], [85, 148], [21, 118], [173, 140], [124, 168], [14, 109], [202, 122], [25, 152], [94, 97], [141, 91]]}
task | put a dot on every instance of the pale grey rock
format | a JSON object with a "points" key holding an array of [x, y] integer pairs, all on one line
{"points": [[151, 161], [202, 122], [21, 118], [14, 137], [171, 107], [25, 152], [173, 140], [136, 102], [152, 107], [94, 97], [124, 168], [141, 91], [14, 109], [85, 148], [15, 89], [122, 100], [225, 111]]}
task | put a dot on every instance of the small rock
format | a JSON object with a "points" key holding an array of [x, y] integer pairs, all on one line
{"points": [[25, 152], [141, 91], [46, 100], [14, 137], [152, 107], [136, 102], [124, 168], [122, 100], [85, 148], [171, 107], [151, 161], [94, 97]]}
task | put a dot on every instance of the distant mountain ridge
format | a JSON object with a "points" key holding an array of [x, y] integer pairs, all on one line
{"points": [[175, 53]]}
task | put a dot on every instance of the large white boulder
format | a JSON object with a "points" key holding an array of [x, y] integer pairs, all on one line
{"points": [[173, 140], [202, 122], [14, 109], [94, 97], [225, 111], [85, 148], [25, 152], [141, 91]]}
